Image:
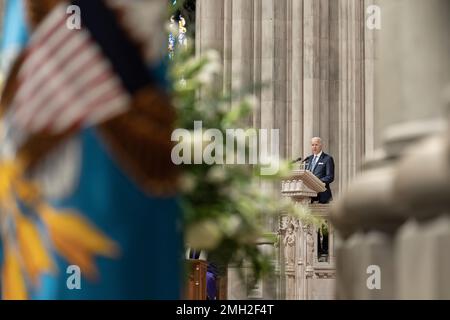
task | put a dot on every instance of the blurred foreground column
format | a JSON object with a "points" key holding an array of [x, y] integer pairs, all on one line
{"points": [[394, 218]]}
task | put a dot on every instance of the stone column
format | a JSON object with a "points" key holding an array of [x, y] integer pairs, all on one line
{"points": [[210, 27], [395, 215], [294, 83], [349, 121], [311, 72], [371, 38]]}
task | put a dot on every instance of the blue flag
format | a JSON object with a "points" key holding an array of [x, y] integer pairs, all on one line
{"points": [[15, 33], [99, 148]]}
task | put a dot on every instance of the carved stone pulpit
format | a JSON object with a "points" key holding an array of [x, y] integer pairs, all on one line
{"points": [[306, 252]]}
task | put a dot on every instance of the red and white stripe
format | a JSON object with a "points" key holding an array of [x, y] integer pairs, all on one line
{"points": [[65, 80]]}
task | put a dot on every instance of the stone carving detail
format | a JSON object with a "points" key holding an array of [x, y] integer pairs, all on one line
{"points": [[309, 247], [331, 274], [288, 233], [289, 246]]}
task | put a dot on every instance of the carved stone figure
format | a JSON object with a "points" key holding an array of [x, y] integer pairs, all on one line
{"points": [[289, 246], [309, 247]]}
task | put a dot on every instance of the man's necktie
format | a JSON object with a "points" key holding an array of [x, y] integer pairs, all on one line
{"points": [[313, 164]]}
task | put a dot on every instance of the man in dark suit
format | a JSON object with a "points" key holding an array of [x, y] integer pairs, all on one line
{"points": [[322, 166]]}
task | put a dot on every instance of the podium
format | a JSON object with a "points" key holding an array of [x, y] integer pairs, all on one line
{"points": [[302, 186], [306, 252]]}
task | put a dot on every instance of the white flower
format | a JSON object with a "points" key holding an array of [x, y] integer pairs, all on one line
{"points": [[204, 235], [188, 183], [251, 101], [230, 225], [216, 174], [183, 83], [212, 68]]}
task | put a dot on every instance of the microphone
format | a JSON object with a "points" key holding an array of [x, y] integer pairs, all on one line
{"points": [[297, 160]]}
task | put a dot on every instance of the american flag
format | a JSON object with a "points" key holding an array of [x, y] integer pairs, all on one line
{"points": [[66, 81]]}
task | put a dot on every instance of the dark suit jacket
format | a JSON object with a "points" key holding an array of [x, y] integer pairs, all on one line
{"points": [[324, 170]]}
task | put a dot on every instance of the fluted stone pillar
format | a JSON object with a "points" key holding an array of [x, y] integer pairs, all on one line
{"points": [[295, 116], [371, 58], [210, 28], [350, 116], [209, 31]]}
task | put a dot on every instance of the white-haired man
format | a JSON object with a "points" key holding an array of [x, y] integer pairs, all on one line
{"points": [[322, 166]]}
